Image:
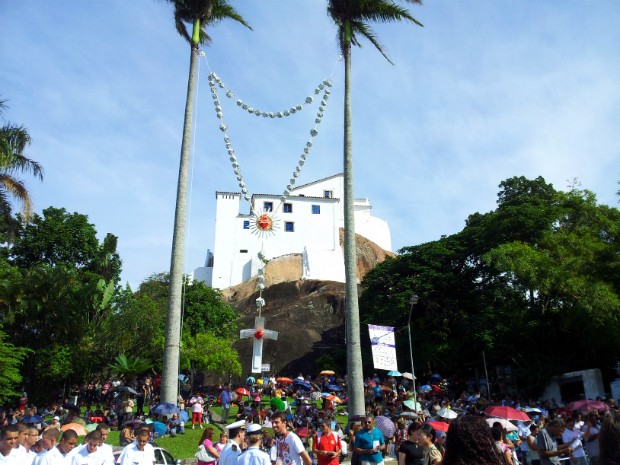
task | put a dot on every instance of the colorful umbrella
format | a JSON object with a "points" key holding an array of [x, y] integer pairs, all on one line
{"points": [[505, 423], [302, 432], [587, 405], [425, 388], [408, 376], [394, 373], [412, 405], [277, 404], [328, 372], [447, 413], [385, 425], [412, 415], [79, 429], [440, 425], [507, 413], [32, 419], [335, 399], [242, 391], [283, 379], [165, 408]]}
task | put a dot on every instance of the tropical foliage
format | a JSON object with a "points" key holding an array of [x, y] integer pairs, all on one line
{"points": [[13, 142], [535, 284]]}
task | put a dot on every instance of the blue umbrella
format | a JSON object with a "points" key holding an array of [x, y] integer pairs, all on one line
{"points": [[31, 419], [394, 373], [165, 408], [302, 385], [184, 416], [334, 387], [159, 428]]}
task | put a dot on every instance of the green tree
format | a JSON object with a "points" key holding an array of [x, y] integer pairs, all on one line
{"points": [[13, 142], [207, 352], [352, 19], [11, 359], [129, 368], [198, 14]]}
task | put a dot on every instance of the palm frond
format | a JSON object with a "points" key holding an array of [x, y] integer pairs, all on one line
{"points": [[365, 31], [17, 189]]}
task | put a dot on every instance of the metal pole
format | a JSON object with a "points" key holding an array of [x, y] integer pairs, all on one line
{"points": [[412, 301], [486, 375]]}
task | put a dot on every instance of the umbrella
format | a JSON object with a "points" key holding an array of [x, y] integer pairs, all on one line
{"points": [[412, 405], [327, 372], [284, 380], [302, 432], [333, 387], [159, 428], [412, 415], [127, 389], [91, 427], [32, 419], [394, 373], [505, 423], [447, 413], [532, 410], [386, 388], [257, 399], [440, 425], [79, 429], [134, 422], [508, 413], [184, 416], [165, 408], [316, 395], [425, 388], [385, 425], [408, 376], [242, 391], [277, 404], [335, 399], [587, 405], [301, 385]]}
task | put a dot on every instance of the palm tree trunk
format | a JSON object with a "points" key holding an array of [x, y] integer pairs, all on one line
{"points": [[355, 375], [170, 380]]}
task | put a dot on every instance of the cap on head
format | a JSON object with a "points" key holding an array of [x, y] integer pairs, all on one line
{"points": [[253, 429], [236, 425]]}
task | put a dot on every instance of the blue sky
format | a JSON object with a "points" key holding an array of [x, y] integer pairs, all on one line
{"points": [[485, 91]]}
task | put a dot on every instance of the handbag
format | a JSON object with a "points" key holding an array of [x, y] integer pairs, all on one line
{"points": [[204, 455]]}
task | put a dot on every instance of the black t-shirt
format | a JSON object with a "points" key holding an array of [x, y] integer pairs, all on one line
{"points": [[414, 453]]}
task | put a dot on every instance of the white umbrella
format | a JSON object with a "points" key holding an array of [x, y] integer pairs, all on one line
{"points": [[408, 376], [447, 413], [505, 423]]}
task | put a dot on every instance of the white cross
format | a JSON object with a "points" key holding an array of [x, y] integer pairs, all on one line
{"points": [[259, 333]]}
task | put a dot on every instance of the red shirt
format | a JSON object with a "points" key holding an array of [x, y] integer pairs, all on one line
{"points": [[327, 442]]}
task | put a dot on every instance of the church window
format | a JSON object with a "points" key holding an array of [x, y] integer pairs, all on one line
{"points": [[316, 209], [288, 208], [243, 251], [246, 224], [328, 194], [289, 226], [268, 206]]}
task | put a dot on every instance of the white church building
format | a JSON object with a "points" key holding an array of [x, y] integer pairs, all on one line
{"points": [[306, 223]]}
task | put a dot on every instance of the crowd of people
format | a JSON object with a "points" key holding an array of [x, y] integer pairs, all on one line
{"points": [[284, 421]]}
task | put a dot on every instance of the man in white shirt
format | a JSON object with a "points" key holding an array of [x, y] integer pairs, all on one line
{"points": [[49, 438], [106, 451], [63, 452], [233, 448], [88, 453], [291, 450], [573, 436], [8, 444], [137, 453]]}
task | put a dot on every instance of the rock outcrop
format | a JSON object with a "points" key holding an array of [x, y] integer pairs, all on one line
{"points": [[308, 315]]}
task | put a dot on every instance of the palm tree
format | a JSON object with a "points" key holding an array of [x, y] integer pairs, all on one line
{"points": [[13, 142], [198, 14], [352, 18]]}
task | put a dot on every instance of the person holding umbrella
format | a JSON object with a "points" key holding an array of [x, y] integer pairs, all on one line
{"points": [[369, 443]]}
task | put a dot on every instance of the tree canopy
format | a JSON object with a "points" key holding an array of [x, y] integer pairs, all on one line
{"points": [[534, 284]]}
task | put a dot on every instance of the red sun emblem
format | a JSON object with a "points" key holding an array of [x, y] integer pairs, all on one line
{"points": [[258, 334], [263, 222]]}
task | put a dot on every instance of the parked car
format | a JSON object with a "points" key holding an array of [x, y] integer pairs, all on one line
{"points": [[162, 457]]}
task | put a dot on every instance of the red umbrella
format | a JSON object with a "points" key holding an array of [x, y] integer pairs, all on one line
{"points": [[440, 425], [508, 413], [242, 391], [302, 432], [284, 380], [587, 405]]}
